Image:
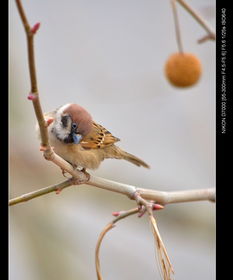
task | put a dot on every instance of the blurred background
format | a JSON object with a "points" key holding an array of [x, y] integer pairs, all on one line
{"points": [[109, 57]]}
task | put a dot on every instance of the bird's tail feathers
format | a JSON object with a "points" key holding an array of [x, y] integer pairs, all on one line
{"points": [[135, 160], [120, 154]]}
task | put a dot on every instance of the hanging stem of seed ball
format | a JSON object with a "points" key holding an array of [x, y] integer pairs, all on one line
{"points": [[177, 27]]}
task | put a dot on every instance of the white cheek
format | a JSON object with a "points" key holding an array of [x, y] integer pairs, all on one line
{"points": [[60, 130]]}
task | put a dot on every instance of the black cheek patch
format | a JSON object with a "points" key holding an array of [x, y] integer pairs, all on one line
{"points": [[68, 139], [64, 121]]}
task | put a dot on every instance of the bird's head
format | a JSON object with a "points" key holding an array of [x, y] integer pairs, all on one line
{"points": [[72, 122]]}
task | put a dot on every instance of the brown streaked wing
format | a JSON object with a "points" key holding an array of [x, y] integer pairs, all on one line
{"points": [[99, 137]]}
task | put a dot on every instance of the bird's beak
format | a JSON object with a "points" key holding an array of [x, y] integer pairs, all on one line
{"points": [[76, 137]]}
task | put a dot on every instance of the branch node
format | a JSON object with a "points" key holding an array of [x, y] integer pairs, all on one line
{"points": [[156, 206], [82, 179], [32, 96], [142, 211], [48, 152], [135, 195], [58, 190], [116, 213], [35, 28], [207, 37]]}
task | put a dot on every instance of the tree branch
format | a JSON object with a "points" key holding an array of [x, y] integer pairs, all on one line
{"points": [[160, 197], [165, 265], [210, 33], [109, 226], [178, 196], [30, 32], [40, 192]]}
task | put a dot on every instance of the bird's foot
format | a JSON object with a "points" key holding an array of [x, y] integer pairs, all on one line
{"points": [[83, 178], [86, 174], [64, 173]]}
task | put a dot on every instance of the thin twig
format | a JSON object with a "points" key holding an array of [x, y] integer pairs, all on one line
{"points": [[177, 27], [108, 227], [164, 260], [32, 70], [199, 19], [206, 38], [97, 249], [165, 266], [40, 192]]}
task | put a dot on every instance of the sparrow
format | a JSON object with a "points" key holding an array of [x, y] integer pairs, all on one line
{"points": [[82, 142]]}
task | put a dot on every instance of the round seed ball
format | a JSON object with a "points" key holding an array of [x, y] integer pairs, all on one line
{"points": [[183, 69]]}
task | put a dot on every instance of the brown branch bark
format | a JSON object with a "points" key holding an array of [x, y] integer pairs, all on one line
{"points": [[32, 70], [49, 154]]}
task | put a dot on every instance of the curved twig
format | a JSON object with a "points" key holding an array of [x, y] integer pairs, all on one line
{"points": [[107, 228]]}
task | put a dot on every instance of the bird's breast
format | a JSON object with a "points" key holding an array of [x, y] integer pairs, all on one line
{"points": [[76, 154]]}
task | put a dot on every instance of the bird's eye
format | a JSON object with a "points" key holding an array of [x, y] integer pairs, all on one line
{"points": [[64, 121], [74, 125]]}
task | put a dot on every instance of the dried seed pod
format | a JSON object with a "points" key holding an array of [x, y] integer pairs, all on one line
{"points": [[183, 69]]}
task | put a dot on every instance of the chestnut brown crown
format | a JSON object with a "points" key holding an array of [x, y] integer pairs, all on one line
{"points": [[81, 117]]}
